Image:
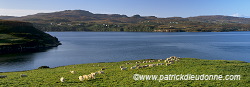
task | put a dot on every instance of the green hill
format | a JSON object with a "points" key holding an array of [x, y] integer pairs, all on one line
{"points": [[16, 36]]}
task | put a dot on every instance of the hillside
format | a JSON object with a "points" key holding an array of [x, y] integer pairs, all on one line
{"points": [[22, 36], [80, 20], [114, 76]]}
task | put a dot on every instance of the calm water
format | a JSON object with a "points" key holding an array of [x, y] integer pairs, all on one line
{"points": [[92, 47]]}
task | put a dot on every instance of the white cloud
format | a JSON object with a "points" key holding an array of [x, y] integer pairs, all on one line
{"points": [[21, 12]]}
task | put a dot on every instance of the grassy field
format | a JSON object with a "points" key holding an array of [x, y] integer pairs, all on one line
{"points": [[114, 76], [7, 39]]}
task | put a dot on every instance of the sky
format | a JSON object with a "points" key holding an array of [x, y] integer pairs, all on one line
{"points": [[158, 8]]}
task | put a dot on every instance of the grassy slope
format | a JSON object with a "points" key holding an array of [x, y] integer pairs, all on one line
{"points": [[7, 39], [15, 32], [115, 77]]}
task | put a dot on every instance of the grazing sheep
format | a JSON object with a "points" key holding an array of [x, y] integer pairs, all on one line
{"points": [[127, 63], [121, 66], [100, 72], [144, 62], [151, 65], [81, 78], [85, 77], [73, 72], [124, 68], [133, 67], [159, 60], [22, 75], [145, 66], [91, 76], [165, 61], [62, 79], [3, 76]]}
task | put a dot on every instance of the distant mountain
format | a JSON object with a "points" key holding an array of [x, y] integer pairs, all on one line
{"points": [[80, 20], [6, 17], [220, 19]]}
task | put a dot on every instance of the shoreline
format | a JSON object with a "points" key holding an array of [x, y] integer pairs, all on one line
{"points": [[121, 61]]}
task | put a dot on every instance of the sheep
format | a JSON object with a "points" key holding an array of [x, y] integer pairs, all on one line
{"points": [[3, 76], [91, 76], [124, 68], [151, 65], [145, 66], [62, 79], [73, 72], [139, 67], [159, 60], [100, 72], [133, 67], [22, 75], [165, 61], [81, 78], [85, 77], [168, 59], [121, 66]]}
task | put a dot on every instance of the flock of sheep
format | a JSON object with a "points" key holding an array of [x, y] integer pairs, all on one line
{"points": [[84, 77], [91, 76], [168, 62]]}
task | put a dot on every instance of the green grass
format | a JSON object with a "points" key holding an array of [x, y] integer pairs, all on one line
{"points": [[115, 77], [7, 39]]}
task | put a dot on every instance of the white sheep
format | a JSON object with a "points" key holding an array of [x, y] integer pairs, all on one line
{"points": [[121, 66], [133, 67], [81, 78], [91, 76], [159, 60], [62, 79], [73, 72], [3, 76], [100, 72], [124, 68], [85, 77], [22, 75], [151, 65]]}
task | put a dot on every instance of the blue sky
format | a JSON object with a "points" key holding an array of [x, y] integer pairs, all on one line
{"points": [[159, 8]]}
